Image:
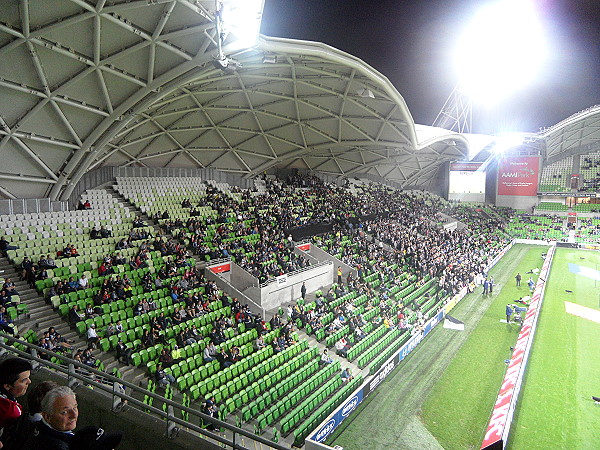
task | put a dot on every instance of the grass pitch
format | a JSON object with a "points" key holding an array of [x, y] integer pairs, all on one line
{"points": [[555, 409], [458, 409], [443, 393], [390, 418]]}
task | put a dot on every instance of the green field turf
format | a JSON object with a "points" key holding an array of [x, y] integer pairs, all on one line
{"points": [[390, 418], [555, 409], [457, 410]]}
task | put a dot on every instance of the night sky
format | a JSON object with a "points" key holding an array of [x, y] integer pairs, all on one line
{"points": [[410, 42]]}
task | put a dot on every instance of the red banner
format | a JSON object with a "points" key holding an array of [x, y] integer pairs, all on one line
{"points": [[304, 247], [518, 175], [221, 268], [499, 425]]}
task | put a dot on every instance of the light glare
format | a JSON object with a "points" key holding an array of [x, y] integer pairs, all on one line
{"points": [[501, 50], [506, 142], [242, 18]]}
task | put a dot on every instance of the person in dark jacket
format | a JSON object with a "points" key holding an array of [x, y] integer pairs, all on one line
{"points": [[59, 419]]}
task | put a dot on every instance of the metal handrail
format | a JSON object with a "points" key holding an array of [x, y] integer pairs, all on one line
{"points": [[115, 389]]}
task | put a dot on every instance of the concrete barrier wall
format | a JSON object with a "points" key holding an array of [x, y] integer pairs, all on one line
{"points": [[140, 430], [276, 294], [322, 255]]}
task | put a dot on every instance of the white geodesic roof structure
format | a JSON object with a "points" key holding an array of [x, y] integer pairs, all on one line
{"points": [[579, 133], [92, 83]]}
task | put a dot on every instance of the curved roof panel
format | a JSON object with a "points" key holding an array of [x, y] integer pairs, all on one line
{"points": [[133, 82], [579, 133]]}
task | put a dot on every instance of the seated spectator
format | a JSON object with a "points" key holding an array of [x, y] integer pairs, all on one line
{"points": [[10, 287], [359, 333], [325, 358], [6, 324], [342, 346], [5, 246], [110, 330], [89, 312], [104, 232], [75, 315], [163, 379], [347, 375], [83, 282], [259, 343], [210, 352], [166, 358], [88, 358], [224, 358], [94, 233]]}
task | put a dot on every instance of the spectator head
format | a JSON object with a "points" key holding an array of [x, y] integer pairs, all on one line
{"points": [[34, 398], [14, 376], [59, 409]]}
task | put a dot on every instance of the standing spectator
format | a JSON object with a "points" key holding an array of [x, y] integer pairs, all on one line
{"points": [[518, 278], [92, 336], [124, 352], [531, 284], [303, 291], [339, 275], [509, 312]]}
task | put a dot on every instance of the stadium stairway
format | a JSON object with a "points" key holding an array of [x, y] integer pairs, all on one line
{"points": [[312, 341], [39, 315]]}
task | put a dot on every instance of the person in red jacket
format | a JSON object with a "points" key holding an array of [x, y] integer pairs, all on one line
{"points": [[14, 381]]}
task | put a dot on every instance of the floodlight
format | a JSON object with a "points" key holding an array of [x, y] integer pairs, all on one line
{"points": [[242, 19], [501, 50]]}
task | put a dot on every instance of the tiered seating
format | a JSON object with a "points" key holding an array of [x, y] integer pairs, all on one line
{"points": [[160, 194], [556, 177], [590, 172], [587, 207], [552, 206], [43, 233], [232, 231], [402, 288], [264, 388], [536, 227], [588, 230]]}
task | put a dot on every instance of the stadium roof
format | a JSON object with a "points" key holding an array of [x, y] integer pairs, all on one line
{"points": [[577, 134], [133, 83]]}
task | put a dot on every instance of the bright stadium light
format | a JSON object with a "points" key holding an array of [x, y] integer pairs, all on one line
{"points": [[501, 50], [242, 19]]}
